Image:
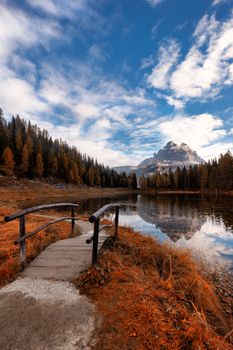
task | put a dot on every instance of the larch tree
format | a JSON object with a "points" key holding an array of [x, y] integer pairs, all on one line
{"points": [[24, 160], [90, 175], [3, 136], [74, 169], [39, 171], [134, 183], [29, 144], [8, 162], [19, 141], [203, 176]]}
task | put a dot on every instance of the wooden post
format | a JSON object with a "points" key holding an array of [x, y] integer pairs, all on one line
{"points": [[22, 257], [116, 223], [95, 242], [72, 221]]}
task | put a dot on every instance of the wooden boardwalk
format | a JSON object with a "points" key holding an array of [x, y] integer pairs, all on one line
{"points": [[65, 259]]}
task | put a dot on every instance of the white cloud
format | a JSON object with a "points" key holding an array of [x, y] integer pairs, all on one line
{"points": [[203, 74], [97, 53], [147, 62], [18, 96], [217, 2], [94, 142], [60, 8], [154, 30], [176, 103], [154, 3], [168, 56], [202, 133], [206, 68], [18, 30]]}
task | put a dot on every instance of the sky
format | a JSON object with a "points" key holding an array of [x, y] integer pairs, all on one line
{"points": [[119, 79]]}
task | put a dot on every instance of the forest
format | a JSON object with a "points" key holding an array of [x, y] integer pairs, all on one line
{"points": [[27, 151]]}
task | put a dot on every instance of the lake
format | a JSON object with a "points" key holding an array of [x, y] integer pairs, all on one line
{"points": [[202, 224]]}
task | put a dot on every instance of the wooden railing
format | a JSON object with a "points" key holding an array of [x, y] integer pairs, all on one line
{"points": [[95, 218], [22, 227]]}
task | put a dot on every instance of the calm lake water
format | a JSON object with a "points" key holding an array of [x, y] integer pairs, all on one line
{"points": [[204, 225]]}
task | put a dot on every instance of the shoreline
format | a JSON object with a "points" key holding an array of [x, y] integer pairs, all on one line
{"points": [[21, 193], [187, 192], [150, 293]]}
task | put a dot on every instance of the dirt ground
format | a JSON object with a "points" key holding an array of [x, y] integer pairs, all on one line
{"points": [[45, 314], [17, 194]]}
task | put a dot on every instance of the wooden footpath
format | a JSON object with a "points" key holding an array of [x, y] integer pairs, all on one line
{"points": [[65, 259]]}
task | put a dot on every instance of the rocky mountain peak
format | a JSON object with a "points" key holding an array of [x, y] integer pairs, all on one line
{"points": [[170, 144], [170, 156]]}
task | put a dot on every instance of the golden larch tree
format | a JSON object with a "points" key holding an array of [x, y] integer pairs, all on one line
{"points": [[39, 165], [24, 159], [19, 141], [8, 162]]}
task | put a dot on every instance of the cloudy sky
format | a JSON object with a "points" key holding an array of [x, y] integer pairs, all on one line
{"points": [[119, 79]]}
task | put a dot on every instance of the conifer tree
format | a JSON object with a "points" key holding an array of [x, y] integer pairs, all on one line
{"points": [[39, 165], [90, 175], [3, 136], [74, 169], [8, 162], [134, 183], [25, 160], [19, 141], [29, 144]]}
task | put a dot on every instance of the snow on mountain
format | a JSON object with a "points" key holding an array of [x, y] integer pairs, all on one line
{"points": [[169, 157]]}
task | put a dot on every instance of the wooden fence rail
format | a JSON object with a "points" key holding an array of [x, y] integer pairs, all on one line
{"points": [[94, 218], [22, 227]]}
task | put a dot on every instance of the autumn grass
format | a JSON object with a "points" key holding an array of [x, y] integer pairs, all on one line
{"points": [[152, 296], [9, 232]]}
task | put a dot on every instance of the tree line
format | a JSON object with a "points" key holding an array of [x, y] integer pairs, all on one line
{"points": [[28, 151], [213, 175]]}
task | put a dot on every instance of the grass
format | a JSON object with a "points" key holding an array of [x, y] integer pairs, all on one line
{"points": [[9, 232], [152, 296]]}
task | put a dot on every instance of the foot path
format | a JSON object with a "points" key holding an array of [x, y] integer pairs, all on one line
{"points": [[41, 309]]}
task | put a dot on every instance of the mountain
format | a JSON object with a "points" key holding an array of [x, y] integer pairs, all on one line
{"points": [[169, 157]]}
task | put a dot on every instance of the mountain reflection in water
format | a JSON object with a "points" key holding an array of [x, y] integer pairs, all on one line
{"points": [[204, 225], [173, 218]]}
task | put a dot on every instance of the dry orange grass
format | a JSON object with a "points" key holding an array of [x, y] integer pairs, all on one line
{"points": [[152, 296], [9, 232]]}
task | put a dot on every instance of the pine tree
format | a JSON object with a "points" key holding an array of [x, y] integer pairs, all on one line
{"points": [[3, 135], [74, 170], [24, 160], [71, 176], [203, 176], [90, 175], [143, 182], [19, 141], [226, 171], [39, 165], [52, 165], [134, 183], [29, 143], [8, 162]]}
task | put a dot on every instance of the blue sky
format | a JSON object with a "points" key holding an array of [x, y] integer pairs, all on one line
{"points": [[118, 79]]}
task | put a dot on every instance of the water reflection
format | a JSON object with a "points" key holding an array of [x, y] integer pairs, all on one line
{"points": [[205, 225], [173, 217]]}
